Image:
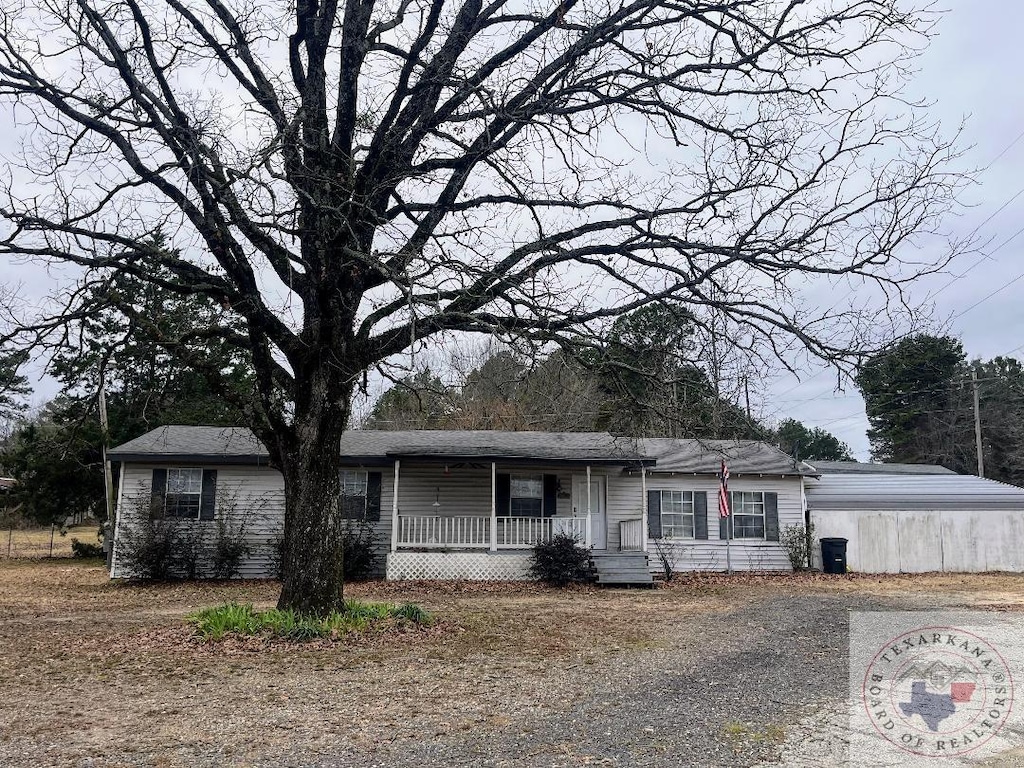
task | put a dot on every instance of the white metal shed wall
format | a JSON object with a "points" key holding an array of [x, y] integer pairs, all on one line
{"points": [[916, 524], [918, 541]]}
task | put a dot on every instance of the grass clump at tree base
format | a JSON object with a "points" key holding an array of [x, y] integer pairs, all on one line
{"points": [[241, 619]]}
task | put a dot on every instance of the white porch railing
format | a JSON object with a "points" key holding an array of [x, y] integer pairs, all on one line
{"points": [[440, 531], [471, 531], [631, 535]]}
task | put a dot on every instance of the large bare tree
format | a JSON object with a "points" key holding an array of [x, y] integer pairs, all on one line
{"points": [[351, 178]]}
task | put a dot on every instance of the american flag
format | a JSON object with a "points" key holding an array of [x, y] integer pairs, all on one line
{"points": [[723, 491]]}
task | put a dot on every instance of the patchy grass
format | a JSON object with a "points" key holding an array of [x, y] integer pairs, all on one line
{"points": [[762, 734], [234, 618]]}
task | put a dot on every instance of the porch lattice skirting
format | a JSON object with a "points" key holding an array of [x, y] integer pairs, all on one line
{"points": [[473, 566]]}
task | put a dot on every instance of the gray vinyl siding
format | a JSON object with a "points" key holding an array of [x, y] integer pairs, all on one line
{"points": [[248, 498], [624, 502], [462, 491]]}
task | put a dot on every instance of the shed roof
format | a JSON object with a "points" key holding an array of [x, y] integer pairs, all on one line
{"points": [[858, 467], [911, 492], [705, 457]]}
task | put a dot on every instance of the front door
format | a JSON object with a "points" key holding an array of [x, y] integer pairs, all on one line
{"points": [[598, 523]]}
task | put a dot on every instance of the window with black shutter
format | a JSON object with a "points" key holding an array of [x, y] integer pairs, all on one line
{"points": [[527, 495], [183, 494], [353, 494]]}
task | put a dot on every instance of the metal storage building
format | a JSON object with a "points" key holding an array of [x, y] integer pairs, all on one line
{"points": [[905, 518]]}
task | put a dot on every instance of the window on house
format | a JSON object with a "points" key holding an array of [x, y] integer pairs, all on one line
{"points": [[527, 495], [184, 493], [747, 514], [677, 514], [353, 494]]}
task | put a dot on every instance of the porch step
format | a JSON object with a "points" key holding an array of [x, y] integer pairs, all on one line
{"points": [[622, 568]]}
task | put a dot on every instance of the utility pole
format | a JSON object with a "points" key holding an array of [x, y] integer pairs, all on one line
{"points": [[977, 424], [108, 478], [746, 395]]}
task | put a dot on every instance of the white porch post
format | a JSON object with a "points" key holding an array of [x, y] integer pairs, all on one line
{"points": [[589, 540], [643, 515], [494, 507], [394, 510]]}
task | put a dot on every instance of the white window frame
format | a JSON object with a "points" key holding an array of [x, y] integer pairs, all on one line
{"points": [[532, 478], [677, 530], [354, 485], [751, 507], [172, 491]]}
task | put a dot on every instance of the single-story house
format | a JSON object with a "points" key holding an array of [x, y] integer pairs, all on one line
{"points": [[909, 518], [472, 504]]}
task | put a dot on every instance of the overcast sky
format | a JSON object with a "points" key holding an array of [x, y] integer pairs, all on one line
{"points": [[972, 71]]}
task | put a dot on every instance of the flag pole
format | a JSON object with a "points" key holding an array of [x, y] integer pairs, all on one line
{"points": [[726, 513]]}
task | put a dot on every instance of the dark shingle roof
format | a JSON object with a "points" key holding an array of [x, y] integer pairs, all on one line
{"points": [[567, 446], [705, 457], [233, 444], [865, 468], [238, 445]]}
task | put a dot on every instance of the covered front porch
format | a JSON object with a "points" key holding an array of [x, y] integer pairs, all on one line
{"points": [[452, 505]]}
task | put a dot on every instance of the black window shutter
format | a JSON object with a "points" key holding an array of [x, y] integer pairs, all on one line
{"points": [[208, 499], [724, 522], [550, 495], [373, 484], [503, 494], [159, 488], [700, 514], [654, 514], [771, 517]]}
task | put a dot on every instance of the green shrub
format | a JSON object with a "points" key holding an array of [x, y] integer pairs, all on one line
{"points": [[799, 544], [149, 549], [275, 555], [229, 549], [359, 540], [359, 551], [560, 560], [84, 549], [233, 618]]}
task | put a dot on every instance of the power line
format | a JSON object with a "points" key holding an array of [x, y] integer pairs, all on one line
{"points": [[975, 231]]}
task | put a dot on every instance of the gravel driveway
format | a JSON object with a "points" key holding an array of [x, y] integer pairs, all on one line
{"points": [[723, 695], [710, 671]]}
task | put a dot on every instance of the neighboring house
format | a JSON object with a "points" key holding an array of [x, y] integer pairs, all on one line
{"points": [[471, 504], [908, 518]]}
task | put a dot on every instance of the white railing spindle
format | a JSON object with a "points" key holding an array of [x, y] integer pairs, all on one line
{"points": [[474, 531]]}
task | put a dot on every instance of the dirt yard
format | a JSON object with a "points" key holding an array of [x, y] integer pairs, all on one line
{"points": [[99, 674]]}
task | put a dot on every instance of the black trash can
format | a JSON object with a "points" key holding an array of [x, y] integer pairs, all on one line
{"points": [[833, 555]]}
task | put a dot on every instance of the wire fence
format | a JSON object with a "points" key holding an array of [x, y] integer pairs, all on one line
{"points": [[43, 542]]}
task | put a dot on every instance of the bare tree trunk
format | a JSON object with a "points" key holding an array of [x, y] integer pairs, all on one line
{"points": [[312, 573]]}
